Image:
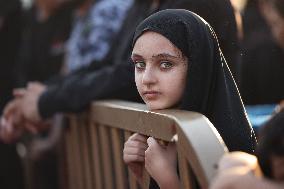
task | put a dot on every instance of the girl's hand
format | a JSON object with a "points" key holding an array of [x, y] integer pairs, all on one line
{"points": [[134, 153], [161, 163]]}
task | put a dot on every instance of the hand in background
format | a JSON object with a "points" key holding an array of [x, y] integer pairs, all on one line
{"points": [[13, 123], [238, 170], [9, 133], [239, 159], [134, 153], [30, 99], [22, 114], [11, 126], [24, 105]]}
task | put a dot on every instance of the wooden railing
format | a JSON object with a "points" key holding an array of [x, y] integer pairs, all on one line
{"points": [[94, 145]]}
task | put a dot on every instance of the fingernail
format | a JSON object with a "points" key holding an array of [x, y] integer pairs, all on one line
{"points": [[150, 140]]}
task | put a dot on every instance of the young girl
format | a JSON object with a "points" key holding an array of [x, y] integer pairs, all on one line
{"points": [[178, 64]]}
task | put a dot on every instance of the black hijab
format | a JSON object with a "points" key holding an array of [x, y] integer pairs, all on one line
{"points": [[210, 88]]}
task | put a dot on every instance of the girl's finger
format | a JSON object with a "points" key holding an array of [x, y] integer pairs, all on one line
{"points": [[134, 151], [136, 144], [20, 92], [151, 141], [138, 137], [133, 158]]}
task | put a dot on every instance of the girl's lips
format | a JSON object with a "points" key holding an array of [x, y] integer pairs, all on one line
{"points": [[151, 95]]}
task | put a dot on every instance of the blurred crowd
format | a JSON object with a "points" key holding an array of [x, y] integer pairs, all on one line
{"points": [[60, 55]]}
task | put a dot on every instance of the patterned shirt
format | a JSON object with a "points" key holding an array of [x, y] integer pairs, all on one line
{"points": [[92, 34]]}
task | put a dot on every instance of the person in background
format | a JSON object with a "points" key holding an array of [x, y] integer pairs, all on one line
{"points": [[93, 33], [273, 12], [10, 34], [270, 150], [88, 46], [46, 28], [262, 65], [50, 26], [11, 173], [265, 170]]}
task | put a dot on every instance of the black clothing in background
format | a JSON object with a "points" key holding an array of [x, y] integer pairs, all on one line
{"points": [[262, 72], [10, 32], [11, 173], [114, 77], [40, 58], [262, 65], [42, 47]]}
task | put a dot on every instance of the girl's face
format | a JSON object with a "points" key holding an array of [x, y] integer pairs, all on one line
{"points": [[160, 71]]}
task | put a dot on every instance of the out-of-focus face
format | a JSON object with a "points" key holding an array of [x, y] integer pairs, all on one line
{"points": [[275, 22], [47, 7], [277, 166], [160, 71], [48, 4]]}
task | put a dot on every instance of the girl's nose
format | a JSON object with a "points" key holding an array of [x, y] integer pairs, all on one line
{"points": [[149, 76]]}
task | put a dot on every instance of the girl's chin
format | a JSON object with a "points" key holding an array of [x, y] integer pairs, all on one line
{"points": [[160, 106], [152, 107]]}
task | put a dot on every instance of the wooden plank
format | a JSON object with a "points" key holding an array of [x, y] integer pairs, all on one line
{"points": [[202, 155], [85, 155], [119, 166], [96, 157], [106, 157], [146, 122], [76, 154], [74, 179], [69, 159], [59, 125], [185, 176]]}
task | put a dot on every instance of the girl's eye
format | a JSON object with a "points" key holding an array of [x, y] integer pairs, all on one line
{"points": [[166, 65], [140, 65]]}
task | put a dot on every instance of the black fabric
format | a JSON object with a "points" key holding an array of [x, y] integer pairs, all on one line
{"points": [[262, 61], [43, 45], [11, 172], [10, 32], [210, 88], [104, 80], [7, 7], [262, 71]]}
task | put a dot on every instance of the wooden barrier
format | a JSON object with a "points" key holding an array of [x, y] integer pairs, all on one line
{"points": [[94, 145]]}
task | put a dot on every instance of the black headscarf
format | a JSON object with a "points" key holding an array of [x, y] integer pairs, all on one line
{"points": [[210, 88]]}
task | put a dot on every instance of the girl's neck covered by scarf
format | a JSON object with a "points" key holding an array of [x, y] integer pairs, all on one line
{"points": [[210, 89]]}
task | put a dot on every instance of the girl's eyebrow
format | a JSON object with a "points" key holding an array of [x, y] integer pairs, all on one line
{"points": [[165, 55], [134, 55], [162, 55]]}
